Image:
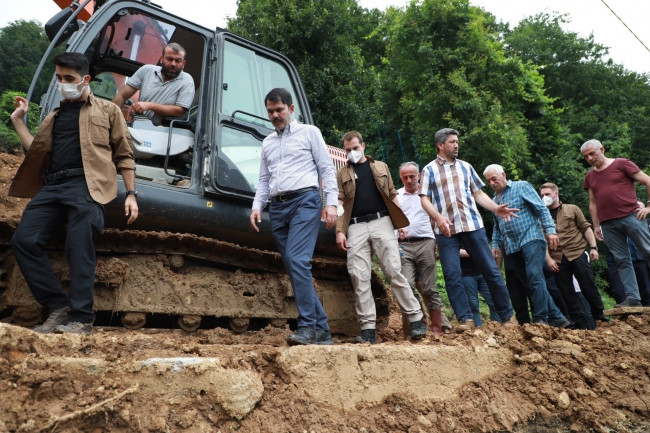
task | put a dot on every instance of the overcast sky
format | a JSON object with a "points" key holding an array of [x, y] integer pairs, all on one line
{"points": [[587, 16]]}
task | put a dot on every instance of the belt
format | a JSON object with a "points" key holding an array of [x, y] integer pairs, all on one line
{"points": [[291, 194], [414, 239], [62, 174], [369, 217]]}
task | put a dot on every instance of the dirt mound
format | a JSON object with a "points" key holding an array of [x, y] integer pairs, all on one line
{"points": [[493, 379]]}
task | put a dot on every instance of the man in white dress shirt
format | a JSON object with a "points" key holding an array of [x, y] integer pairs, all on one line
{"points": [[292, 157]]}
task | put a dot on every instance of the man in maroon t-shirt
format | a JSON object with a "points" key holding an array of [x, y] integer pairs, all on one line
{"points": [[615, 213]]}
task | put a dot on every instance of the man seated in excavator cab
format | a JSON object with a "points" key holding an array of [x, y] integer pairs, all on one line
{"points": [[165, 91]]}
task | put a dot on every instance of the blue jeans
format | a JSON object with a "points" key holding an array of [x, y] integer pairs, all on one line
{"points": [[477, 246], [295, 225], [615, 234], [530, 261], [475, 284]]}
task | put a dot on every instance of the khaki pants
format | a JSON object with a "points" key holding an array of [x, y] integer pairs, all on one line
{"points": [[420, 256], [377, 236]]}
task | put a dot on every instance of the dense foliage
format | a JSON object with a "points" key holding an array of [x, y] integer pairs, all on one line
{"points": [[22, 44], [525, 98]]}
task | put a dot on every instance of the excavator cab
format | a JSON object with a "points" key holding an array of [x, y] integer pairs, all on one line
{"points": [[203, 168], [191, 253]]}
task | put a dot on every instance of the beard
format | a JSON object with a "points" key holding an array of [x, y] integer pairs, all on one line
{"points": [[171, 74]]}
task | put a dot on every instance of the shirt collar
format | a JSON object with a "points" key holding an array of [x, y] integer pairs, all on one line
{"points": [[288, 128], [158, 73], [442, 161]]}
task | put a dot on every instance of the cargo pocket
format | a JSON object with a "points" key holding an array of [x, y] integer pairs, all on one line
{"points": [[99, 131]]}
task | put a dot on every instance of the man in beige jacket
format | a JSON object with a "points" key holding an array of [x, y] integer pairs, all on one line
{"points": [[370, 214]]}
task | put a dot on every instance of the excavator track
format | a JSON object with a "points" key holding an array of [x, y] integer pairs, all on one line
{"points": [[188, 278]]}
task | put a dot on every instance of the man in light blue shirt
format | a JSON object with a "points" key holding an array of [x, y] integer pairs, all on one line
{"points": [[292, 158], [524, 241]]}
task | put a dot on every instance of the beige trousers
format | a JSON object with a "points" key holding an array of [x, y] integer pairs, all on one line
{"points": [[377, 237]]}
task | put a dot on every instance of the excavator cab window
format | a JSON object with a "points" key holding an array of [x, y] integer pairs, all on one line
{"points": [[131, 38], [248, 75]]}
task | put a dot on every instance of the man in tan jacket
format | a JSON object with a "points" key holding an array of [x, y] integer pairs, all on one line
{"points": [[370, 214], [70, 170]]}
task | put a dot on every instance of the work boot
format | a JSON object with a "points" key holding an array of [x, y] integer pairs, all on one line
{"points": [[629, 302], [74, 328], [367, 336], [465, 325], [511, 322], [436, 322], [323, 337], [303, 335], [56, 318], [559, 323], [418, 330]]}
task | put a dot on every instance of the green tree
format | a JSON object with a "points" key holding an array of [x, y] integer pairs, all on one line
{"points": [[447, 67], [327, 41], [22, 44], [597, 98]]}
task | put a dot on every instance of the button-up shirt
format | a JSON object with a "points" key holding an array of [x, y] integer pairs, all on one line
{"points": [[571, 225], [533, 215], [420, 223], [451, 187], [291, 160], [105, 145]]}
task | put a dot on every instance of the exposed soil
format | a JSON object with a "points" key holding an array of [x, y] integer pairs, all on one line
{"points": [[493, 379]]}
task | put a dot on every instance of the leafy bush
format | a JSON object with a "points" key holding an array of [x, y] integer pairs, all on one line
{"points": [[8, 138]]}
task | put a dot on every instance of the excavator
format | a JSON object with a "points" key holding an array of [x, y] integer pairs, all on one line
{"points": [[191, 259]]}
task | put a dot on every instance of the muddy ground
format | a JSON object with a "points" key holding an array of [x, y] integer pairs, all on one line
{"points": [[493, 379]]}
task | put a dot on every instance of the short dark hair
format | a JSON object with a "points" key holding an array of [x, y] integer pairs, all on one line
{"points": [[176, 48], [76, 61], [350, 135], [441, 135], [279, 95]]}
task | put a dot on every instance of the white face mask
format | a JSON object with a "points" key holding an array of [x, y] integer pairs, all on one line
{"points": [[548, 200], [355, 156], [71, 91]]}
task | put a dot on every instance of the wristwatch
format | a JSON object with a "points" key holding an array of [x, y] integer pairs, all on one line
{"points": [[593, 248], [132, 192]]}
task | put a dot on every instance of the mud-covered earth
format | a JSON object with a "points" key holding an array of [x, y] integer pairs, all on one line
{"points": [[493, 379]]}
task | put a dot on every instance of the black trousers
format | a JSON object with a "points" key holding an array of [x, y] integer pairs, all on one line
{"points": [[584, 273], [64, 201]]}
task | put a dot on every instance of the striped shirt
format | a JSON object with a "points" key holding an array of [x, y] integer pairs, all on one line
{"points": [[451, 187], [533, 214]]}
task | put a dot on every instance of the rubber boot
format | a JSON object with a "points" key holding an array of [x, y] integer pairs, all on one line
{"points": [[406, 327], [436, 326]]}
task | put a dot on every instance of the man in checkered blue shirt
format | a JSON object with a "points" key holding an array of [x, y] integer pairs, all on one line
{"points": [[524, 241]]}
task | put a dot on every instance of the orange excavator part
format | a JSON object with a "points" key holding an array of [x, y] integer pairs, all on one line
{"points": [[83, 15]]}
